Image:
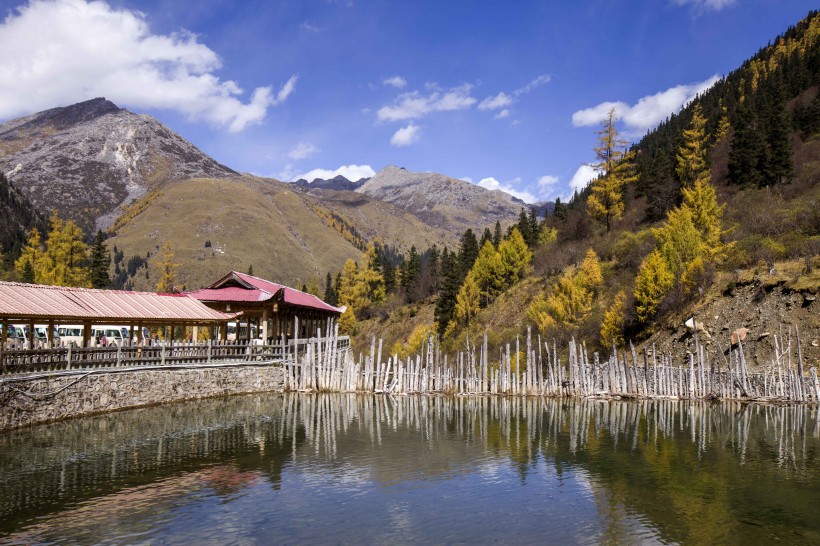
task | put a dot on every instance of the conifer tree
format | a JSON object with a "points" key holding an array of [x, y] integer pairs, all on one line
{"points": [[469, 251], [497, 234], [100, 262], [487, 274], [747, 154], [467, 301], [615, 168], [451, 283], [723, 126], [566, 304], [589, 273], [27, 274], [167, 278], [653, 282], [779, 166], [559, 211], [65, 261], [410, 275], [679, 241], [515, 258], [612, 327], [30, 257], [329, 296], [707, 213], [691, 156], [486, 236]]}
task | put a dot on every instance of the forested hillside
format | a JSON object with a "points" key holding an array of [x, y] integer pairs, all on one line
{"points": [[17, 217], [718, 194]]}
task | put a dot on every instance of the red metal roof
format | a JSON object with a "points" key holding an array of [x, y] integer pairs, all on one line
{"points": [[231, 293], [255, 289], [19, 300]]}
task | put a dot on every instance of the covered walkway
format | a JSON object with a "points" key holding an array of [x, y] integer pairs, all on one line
{"points": [[32, 305]]}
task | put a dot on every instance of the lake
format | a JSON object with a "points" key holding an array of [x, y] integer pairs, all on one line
{"points": [[308, 469]]}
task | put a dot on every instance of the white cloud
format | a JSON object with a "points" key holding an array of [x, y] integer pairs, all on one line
{"points": [[648, 111], [309, 27], [493, 103], [395, 81], [303, 150], [351, 172], [546, 182], [705, 5], [582, 177], [406, 136], [503, 100], [537, 82], [414, 105], [65, 51], [491, 183], [466, 179]]}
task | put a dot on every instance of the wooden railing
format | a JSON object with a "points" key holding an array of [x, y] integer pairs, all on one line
{"points": [[27, 361]]}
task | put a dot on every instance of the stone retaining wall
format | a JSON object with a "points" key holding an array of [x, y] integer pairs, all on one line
{"points": [[53, 397]]}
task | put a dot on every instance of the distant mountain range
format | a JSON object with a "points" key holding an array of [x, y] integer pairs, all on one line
{"points": [[108, 168]]}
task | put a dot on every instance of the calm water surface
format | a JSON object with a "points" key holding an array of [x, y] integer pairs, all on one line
{"points": [[353, 469]]}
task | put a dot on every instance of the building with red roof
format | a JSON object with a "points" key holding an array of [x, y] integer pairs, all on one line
{"points": [[275, 309]]}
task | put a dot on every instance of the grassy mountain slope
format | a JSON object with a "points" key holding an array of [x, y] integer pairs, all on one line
{"points": [[248, 221]]}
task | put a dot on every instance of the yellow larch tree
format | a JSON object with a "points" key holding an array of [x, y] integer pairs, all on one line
{"points": [[615, 168], [167, 270], [612, 327], [691, 157], [653, 282]]}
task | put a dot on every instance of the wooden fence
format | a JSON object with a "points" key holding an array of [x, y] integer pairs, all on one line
{"points": [[540, 371], [27, 361]]}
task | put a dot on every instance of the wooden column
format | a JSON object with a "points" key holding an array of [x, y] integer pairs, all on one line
{"points": [[264, 324]]}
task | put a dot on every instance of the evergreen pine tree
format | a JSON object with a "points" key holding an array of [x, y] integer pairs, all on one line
{"points": [[100, 262], [27, 272], [559, 211], [497, 234], [779, 167], [450, 285], [747, 154], [485, 237], [469, 251]]}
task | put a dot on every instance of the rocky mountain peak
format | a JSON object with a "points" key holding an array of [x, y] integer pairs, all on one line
{"points": [[439, 200], [88, 159]]}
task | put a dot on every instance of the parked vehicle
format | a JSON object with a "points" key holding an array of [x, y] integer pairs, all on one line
{"points": [[107, 335], [71, 333]]}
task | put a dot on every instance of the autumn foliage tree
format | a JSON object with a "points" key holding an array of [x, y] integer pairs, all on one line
{"points": [[167, 278], [615, 168], [61, 261]]}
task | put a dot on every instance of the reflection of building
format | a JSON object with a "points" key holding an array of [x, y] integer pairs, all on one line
{"points": [[269, 307]]}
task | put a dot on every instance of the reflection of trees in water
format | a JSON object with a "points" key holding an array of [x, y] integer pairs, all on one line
{"points": [[683, 464]]}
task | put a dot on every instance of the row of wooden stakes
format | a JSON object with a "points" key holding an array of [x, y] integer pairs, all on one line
{"points": [[540, 371]]}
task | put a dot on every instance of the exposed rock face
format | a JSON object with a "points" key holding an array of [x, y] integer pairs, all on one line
{"points": [[441, 201], [87, 159], [337, 183]]}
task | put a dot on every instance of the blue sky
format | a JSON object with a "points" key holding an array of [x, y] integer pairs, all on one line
{"points": [[506, 94]]}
